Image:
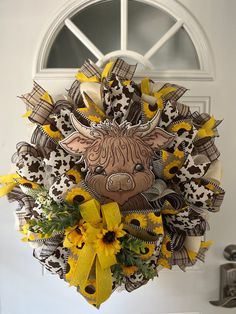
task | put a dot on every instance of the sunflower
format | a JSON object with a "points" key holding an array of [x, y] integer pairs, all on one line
{"points": [[52, 131], [166, 247], [31, 236], [179, 153], [210, 186], [164, 263], [136, 219], [27, 183], [149, 249], [107, 241], [89, 289], [71, 265], [155, 217], [158, 230], [77, 196], [150, 110], [74, 175], [129, 270], [181, 127], [75, 237], [171, 169]]}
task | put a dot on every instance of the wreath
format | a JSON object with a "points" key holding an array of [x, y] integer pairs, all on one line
{"points": [[117, 181]]}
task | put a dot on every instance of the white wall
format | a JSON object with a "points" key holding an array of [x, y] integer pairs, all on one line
{"points": [[22, 287]]}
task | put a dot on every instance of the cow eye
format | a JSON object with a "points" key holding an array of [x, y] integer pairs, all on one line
{"points": [[139, 167], [99, 170]]}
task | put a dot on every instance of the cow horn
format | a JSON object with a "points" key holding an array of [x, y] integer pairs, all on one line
{"points": [[82, 129], [148, 127]]}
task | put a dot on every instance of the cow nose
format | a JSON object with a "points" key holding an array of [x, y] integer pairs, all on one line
{"points": [[120, 182]]}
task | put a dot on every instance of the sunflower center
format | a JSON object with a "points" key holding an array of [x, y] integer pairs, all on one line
{"points": [[28, 185], [152, 107], [173, 170], [109, 237], [181, 131], [77, 229], [71, 177], [135, 222], [90, 289], [168, 246], [145, 251], [78, 199], [53, 128]]}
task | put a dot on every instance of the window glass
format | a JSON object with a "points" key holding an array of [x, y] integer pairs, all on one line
{"points": [[100, 22]]}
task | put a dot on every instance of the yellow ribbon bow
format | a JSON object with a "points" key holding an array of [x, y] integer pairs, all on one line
{"points": [[103, 228]]}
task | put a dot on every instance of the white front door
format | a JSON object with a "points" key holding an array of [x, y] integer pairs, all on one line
{"points": [[23, 27]]}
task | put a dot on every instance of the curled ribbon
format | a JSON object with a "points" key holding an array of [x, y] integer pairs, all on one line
{"points": [[91, 260], [8, 183]]}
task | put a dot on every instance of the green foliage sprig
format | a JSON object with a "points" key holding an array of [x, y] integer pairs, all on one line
{"points": [[56, 216], [129, 255]]}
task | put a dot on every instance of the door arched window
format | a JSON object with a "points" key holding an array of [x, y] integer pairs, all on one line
{"points": [[159, 35]]}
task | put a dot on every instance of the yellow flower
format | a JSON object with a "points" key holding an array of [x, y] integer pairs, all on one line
{"points": [[77, 196], [178, 153], [210, 186], [31, 236], [75, 237], [27, 183], [166, 247], [155, 217], [107, 240], [164, 263], [52, 131], [74, 175], [136, 219], [149, 110], [171, 169], [71, 263], [25, 228], [89, 290], [148, 251], [181, 127], [129, 270], [158, 230]]}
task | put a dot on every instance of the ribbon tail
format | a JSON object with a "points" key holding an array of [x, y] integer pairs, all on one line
{"points": [[83, 266], [103, 283], [106, 261], [7, 189]]}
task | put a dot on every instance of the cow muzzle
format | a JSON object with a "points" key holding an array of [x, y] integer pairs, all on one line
{"points": [[120, 182]]}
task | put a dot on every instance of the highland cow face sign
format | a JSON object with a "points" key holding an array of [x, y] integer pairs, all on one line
{"points": [[118, 157]]}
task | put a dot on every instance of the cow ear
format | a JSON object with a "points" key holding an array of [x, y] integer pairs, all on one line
{"points": [[76, 143], [158, 138]]}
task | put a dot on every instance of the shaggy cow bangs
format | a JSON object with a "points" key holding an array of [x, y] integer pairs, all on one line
{"points": [[118, 145]]}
